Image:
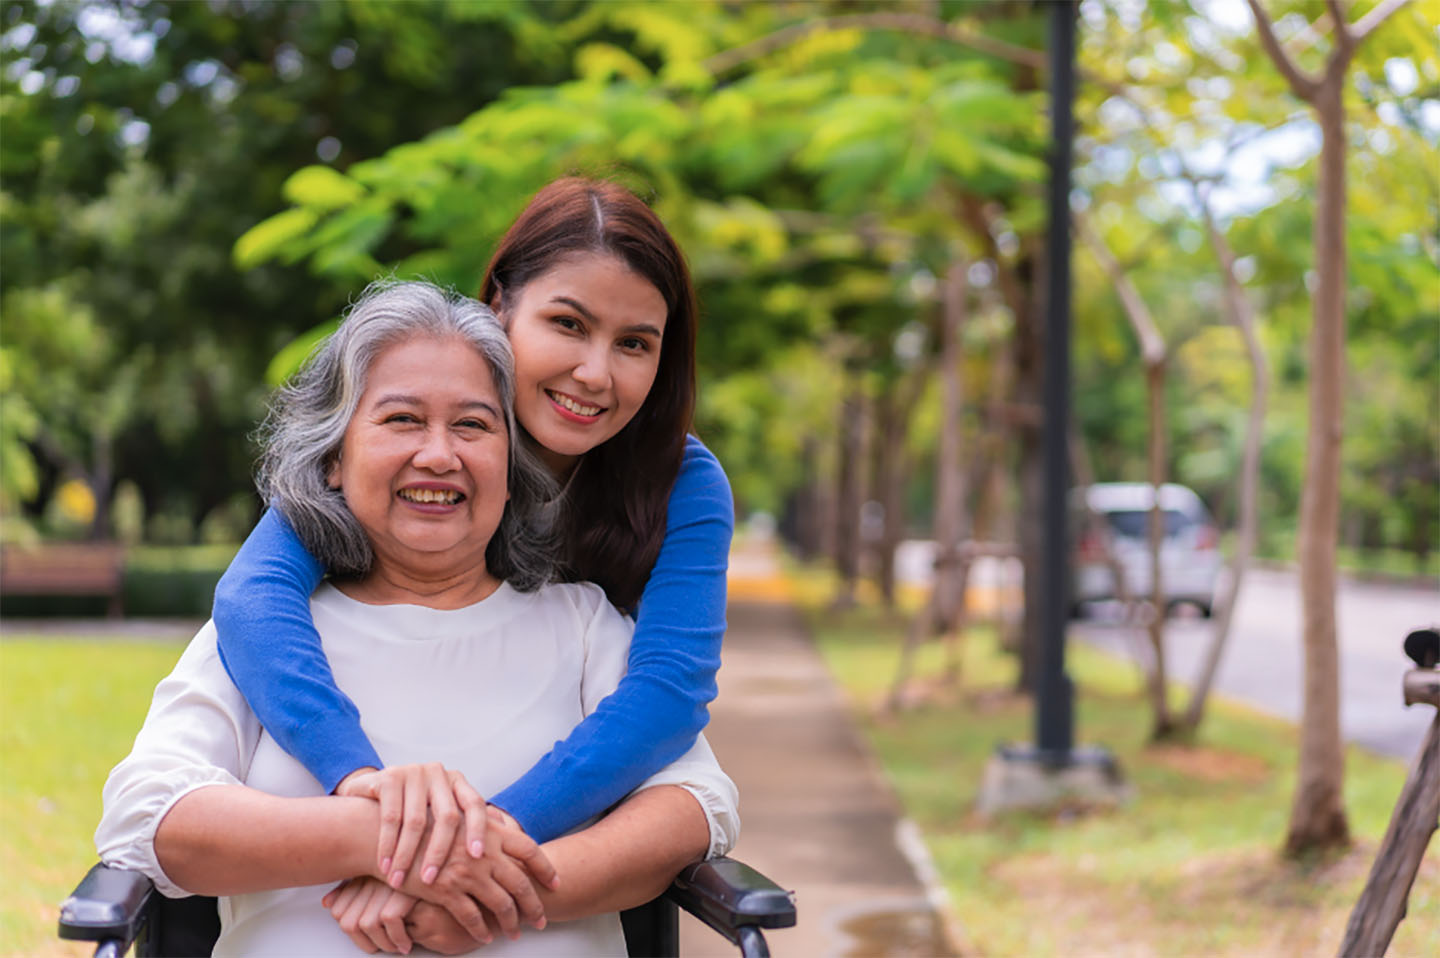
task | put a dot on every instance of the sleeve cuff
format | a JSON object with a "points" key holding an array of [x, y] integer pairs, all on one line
{"points": [[699, 774], [129, 841]]}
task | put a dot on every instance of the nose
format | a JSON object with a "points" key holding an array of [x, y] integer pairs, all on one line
{"points": [[437, 451], [593, 371]]}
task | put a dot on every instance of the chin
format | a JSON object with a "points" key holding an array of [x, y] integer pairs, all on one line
{"points": [[566, 443]]}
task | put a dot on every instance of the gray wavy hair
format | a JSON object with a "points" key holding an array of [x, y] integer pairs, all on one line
{"points": [[302, 435]]}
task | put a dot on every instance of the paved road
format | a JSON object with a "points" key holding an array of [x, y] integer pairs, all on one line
{"points": [[1262, 661]]}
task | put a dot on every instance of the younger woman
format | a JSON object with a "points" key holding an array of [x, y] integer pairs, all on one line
{"points": [[599, 306]]}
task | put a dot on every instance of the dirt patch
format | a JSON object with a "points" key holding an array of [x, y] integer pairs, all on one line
{"points": [[1244, 903], [1209, 764], [1082, 916], [935, 692], [998, 700]]}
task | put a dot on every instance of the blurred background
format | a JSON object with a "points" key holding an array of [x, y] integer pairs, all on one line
{"points": [[189, 188], [190, 193]]}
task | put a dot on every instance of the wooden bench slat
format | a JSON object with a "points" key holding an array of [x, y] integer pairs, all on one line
{"points": [[65, 568]]}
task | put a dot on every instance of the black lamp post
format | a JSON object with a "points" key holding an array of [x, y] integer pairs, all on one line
{"points": [[1054, 694], [1053, 769]]}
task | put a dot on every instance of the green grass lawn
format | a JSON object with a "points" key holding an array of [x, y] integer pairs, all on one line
{"points": [[69, 710], [1189, 867]]}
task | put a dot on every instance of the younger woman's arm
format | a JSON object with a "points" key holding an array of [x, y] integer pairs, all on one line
{"points": [[660, 706], [269, 645], [175, 809]]}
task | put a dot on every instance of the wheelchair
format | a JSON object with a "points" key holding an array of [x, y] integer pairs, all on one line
{"points": [[117, 908]]}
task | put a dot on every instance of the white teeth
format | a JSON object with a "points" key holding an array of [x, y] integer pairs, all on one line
{"points": [[575, 407], [445, 496]]}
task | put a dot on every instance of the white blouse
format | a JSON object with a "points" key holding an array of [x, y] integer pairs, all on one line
{"points": [[486, 690]]}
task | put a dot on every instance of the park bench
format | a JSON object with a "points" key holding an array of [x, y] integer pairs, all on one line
{"points": [[65, 568]]}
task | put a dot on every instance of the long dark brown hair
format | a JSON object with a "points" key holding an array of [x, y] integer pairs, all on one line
{"points": [[613, 522]]}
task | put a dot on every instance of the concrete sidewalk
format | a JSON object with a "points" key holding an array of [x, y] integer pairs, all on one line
{"points": [[816, 815]]}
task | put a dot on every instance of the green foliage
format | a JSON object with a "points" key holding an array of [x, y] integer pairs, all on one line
{"points": [[175, 582], [833, 127], [1202, 95], [265, 239], [19, 479], [166, 185], [288, 361], [140, 141]]}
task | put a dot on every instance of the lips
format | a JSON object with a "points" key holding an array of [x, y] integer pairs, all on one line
{"points": [[577, 410]]}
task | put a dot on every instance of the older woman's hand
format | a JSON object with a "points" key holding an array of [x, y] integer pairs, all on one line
{"points": [[414, 798], [432, 927], [501, 882], [374, 915]]}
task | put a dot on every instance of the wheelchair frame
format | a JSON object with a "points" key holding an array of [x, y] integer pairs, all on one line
{"points": [[117, 908]]}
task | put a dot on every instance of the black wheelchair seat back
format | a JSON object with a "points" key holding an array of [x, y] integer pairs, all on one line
{"points": [[179, 926], [182, 927]]}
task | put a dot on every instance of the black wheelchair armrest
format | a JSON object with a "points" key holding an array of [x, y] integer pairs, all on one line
{"points": [[109, 906], [735, 900]]}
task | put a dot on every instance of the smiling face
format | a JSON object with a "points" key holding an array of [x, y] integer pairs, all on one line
{"points": [[586, 336], [423, 463]]}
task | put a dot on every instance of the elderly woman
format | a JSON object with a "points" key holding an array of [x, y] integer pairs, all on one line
{"points": [[394, 457]]}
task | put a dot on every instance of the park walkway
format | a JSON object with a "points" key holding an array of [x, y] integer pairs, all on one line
{"points": [[816, 815]]}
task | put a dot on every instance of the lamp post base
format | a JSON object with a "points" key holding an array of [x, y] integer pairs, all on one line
{"points": [[1027, 778]]}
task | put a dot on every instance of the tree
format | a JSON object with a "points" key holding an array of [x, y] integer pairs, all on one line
{"points": [[877, 142], [139, 141], [1317, 816], [1153, 353]]}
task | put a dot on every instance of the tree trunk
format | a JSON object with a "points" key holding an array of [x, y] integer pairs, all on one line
{"points": [[847, 504], [1243, 316], [805, 512], [1162, 724], [950, 472], [1030, 464], [885, 480], [1018, 280], [949, 464], [893, 409], [102, 484], [945, 609], [1317, 816], [1153, 354]]}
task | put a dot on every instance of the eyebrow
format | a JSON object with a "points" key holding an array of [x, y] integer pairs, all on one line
{"points": [[404, 399], [579, 307]]}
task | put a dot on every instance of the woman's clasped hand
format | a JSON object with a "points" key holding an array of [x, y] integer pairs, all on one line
{"points": [[419, 800], [478, 877]]}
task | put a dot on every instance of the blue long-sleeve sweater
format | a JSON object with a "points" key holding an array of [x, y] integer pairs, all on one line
{"points": [[269, 645]]}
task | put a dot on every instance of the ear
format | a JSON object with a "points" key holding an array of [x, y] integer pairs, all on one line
{"points": [[332, 474]]}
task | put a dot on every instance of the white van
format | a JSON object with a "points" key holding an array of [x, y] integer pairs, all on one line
{"points": [[1190, 558]]}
